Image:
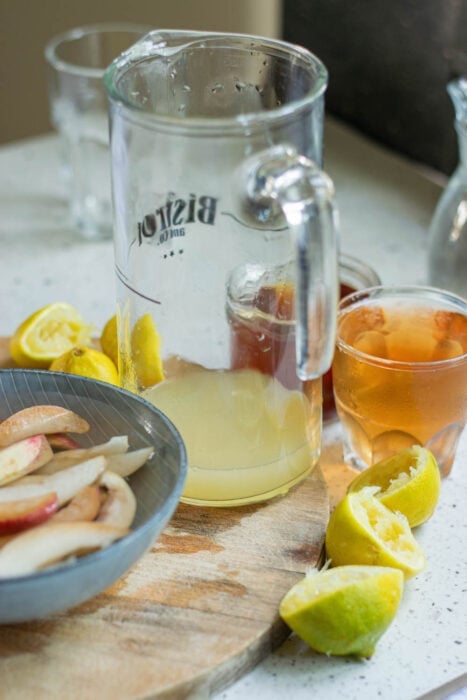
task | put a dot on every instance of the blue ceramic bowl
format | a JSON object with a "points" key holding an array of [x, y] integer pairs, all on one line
{"points": [[158, 485]]}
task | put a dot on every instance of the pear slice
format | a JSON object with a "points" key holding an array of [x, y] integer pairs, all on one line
{"points": [[119, 508], [39, 420], [23, 457], [63, 460], [48, 544], [83, 507], [128, 463], [65, 484]]}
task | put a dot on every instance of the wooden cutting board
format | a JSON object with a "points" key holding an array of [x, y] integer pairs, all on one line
{"points": [[195, 613]]}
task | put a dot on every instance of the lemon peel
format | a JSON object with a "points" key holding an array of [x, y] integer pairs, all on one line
{"points": [[343, 610], [48, 333], [408, 482], [362, 530]]}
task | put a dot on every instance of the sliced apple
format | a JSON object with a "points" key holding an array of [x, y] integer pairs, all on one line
{"points": [[38, 420], [23, 457], [126, 464], [65, 484], [63, 460], [119, 507], [83, 507], [51, 543], [16, 516], [62, 441]]}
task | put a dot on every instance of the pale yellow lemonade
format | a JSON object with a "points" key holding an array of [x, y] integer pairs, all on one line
{"points": [[248, 437]]}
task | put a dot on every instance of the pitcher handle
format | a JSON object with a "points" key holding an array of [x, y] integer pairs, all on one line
{"points": [[305, 195]]}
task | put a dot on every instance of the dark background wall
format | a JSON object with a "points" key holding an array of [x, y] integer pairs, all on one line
{"points": [[389, 63]]}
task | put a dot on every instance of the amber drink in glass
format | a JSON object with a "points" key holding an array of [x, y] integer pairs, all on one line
{"points": [[400, 372]]}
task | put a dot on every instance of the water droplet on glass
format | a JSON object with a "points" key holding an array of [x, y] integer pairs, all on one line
{"points": [[239, 86]]}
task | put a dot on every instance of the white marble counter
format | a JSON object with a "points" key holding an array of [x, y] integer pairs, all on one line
{"points": [[385, 206]]}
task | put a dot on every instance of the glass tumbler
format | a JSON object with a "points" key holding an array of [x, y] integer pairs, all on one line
{"points": [[76, 62], [400, 373]]}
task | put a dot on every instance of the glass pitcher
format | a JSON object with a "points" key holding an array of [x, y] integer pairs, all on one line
{"points": [[448, 230], [226, 252]]}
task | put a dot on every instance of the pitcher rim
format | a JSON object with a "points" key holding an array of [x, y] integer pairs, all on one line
{"points": [[235, 122]]}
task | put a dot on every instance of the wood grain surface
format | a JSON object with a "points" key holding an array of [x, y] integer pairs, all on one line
{"points": [[197, 611]]}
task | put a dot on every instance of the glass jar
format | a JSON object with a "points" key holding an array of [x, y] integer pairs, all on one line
{"points": [[447, 260]]}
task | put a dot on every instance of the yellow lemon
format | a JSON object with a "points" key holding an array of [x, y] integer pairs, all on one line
{"points": [[145, 352], [47, 334], [87, 362], [344, 610], [109, 341], [361, 530], [408, 482]]}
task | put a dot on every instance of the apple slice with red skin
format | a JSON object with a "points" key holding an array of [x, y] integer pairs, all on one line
{"points": [[49, 544], [16, 516], [62, 442], [39, 420], [23, 457], [65, 484]]}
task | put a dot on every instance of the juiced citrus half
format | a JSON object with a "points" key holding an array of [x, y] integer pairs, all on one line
{"points": [[87, 362], [344, 610], [47, 334], [361, 530], [408, 482]]}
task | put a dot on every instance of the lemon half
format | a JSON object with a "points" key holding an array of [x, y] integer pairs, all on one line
{"points": [[344, 610], [47, 334], [362, 530], [409, 482]]}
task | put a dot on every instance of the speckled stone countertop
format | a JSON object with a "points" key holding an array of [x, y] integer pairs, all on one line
{"points": [[385, 206]]}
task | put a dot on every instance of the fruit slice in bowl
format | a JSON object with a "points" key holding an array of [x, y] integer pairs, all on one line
{"points": [[23, 457], [16, 516]]}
